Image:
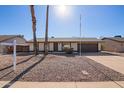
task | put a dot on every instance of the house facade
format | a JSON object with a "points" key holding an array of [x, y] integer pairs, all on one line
{"points": [[57, 44], [113, 44], [21, 43]]}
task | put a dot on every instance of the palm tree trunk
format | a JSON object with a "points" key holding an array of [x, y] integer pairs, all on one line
{"points": [[34, 29], [46, 33]]}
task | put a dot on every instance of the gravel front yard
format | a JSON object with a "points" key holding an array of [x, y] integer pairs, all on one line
{"points": [[6, 64], [6, 60], [59, 68]]}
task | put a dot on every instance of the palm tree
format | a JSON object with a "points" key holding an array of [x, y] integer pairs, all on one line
{"points": [[34, 29], [46, 33]]}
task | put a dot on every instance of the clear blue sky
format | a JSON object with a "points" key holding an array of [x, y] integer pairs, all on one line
{"points": [[96, 21]]}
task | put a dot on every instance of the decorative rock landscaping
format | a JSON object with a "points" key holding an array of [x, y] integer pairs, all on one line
{"points": [[58, 68]]}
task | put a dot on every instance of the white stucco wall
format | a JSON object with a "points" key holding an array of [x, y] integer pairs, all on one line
{"points": [[30, 46], [50, 46], [59, 46], [74, 46], [41, 46], [99, 46]]}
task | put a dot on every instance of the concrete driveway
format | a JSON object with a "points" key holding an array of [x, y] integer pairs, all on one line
{"points": [[114, 62]]}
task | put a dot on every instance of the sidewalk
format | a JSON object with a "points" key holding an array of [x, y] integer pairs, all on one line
{"points": [[107, 84]]}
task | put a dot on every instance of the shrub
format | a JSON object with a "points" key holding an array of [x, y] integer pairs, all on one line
{"points": [[68, 50]]}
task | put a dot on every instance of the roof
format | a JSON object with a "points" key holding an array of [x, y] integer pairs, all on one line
{"points": [[118, 39], [67, 40], [7, 37]]}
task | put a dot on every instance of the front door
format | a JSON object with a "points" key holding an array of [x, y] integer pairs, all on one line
{"points": [[55, 47]]}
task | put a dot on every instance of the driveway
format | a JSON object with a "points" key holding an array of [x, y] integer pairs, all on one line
{"points": [[114, 62], [111, 61]]}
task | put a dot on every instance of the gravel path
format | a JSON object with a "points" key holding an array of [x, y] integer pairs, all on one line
{"points": [[58, 68]]}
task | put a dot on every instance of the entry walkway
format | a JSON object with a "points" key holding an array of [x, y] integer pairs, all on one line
{"points": [[108, 84]]}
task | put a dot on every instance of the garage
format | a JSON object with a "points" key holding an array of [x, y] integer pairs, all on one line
{"points": [[88, 47]]}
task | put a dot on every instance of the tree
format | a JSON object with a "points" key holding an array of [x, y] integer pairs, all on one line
{"points": [[46, 32], [34, 30]]}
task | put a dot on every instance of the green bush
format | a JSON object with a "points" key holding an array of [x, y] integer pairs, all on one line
{"points": [[68, 50]]}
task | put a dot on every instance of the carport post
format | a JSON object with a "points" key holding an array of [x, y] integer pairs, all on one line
{"points": [[14, 55]]}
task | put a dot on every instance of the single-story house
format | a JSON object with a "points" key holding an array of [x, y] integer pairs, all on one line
{"points": [[56, 44], [113, 44], [22, 46]]}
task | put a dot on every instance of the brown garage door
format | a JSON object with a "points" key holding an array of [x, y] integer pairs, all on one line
{"points": [[88, 47]]}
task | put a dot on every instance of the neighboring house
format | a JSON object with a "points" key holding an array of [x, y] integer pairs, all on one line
{"points": [[113, 44], [21, 43], [57, 44]]}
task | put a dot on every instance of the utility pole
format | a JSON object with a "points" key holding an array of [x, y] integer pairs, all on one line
{"points": [[80, 35], [46, 33]]}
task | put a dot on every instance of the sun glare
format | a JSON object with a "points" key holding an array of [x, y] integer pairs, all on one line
{"points": [[62, 10]]}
